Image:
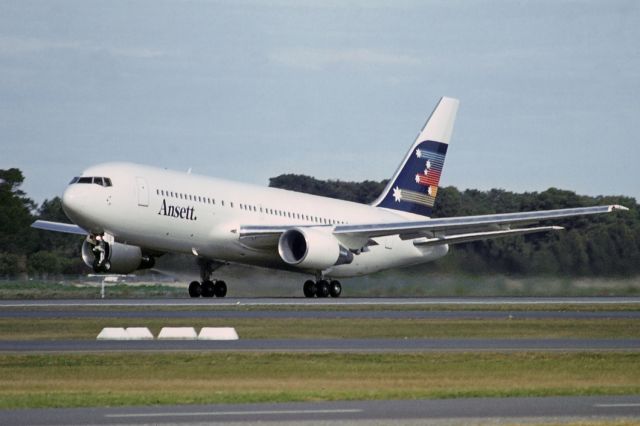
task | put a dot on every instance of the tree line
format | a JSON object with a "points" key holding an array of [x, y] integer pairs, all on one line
{"points": [[603, 245]]}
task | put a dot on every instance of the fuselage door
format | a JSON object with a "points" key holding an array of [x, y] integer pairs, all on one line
{"points": [[143, 192]]}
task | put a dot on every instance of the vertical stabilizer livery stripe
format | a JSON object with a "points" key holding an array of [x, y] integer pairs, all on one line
{"points": [[416, 186]]}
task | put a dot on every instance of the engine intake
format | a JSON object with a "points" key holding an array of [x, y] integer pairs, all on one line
{"points": [[121, 258], [311, 248]]}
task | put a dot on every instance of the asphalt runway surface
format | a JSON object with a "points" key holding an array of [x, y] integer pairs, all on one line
{"points": [[289, 313], [340, 302], [445, 411], [294, 308], [322, 345]]}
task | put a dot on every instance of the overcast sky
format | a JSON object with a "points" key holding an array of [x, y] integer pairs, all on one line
{"points": [[247, 90]]}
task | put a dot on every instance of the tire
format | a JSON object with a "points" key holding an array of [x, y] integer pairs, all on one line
{"points": [[96, 266], [322, 288], [309, 288], [195, 289], [220, 289], [207, 288], [335, 288]]}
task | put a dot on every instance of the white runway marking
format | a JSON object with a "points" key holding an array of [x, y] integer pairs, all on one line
{"points": [[617, 405], [233, 413]]}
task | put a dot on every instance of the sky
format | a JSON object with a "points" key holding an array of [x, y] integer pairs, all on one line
{"points": [[247, 90]]}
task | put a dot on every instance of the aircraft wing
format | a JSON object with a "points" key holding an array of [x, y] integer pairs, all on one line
{"points": [[431, 231], [67, 228]]}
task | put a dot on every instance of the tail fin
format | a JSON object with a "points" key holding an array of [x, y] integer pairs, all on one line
{"points": [[414, 185]]}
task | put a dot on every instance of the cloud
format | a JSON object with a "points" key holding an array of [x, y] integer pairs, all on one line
{"points": [[18, 46], [316, 59]]}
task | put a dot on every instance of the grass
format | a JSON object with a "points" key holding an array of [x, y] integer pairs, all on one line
{"points": [[310, 328], [190, 378], [29, 290]]}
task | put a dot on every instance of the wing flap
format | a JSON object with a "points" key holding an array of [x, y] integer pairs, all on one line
{"points": [[475, 236]]}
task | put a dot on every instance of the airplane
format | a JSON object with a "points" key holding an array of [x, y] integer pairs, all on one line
{"points": [[131, 214]]}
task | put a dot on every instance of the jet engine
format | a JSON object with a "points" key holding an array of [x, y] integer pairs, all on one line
{"points": [[310, 248], [115, 258]]}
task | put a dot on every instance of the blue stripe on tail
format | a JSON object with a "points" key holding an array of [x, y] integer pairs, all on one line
{"points": [[415, 188]]}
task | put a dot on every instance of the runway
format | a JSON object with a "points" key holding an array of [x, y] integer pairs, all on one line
{"points": [[150, 312], [446, 411], [342, 302], [289, 309], [322, 345]]}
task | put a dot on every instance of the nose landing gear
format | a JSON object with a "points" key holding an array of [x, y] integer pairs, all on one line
{"points": [[101, 253]]}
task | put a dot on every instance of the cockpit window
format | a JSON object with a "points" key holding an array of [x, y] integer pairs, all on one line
{"points": [[102, 181]]}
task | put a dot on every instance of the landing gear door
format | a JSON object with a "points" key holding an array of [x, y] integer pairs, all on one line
{"points": [[143, 192]]}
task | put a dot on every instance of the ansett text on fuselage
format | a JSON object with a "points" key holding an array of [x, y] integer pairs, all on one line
{"points": [[186, 213]]}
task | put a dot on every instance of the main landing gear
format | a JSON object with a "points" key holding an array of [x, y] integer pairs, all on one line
{"points": [[322, 288], [208, 287]]}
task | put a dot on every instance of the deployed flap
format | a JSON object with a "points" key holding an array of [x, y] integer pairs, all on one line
{"points": [[476, 236]]}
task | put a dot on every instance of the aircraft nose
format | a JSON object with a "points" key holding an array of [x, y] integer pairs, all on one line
{"points": [[72, 201]]}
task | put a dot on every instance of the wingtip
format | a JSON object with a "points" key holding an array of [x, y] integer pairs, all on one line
{"points": [[618, 207]]}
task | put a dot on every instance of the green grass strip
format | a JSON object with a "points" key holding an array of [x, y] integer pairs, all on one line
{"points": [[310, 328], [189, 378]]}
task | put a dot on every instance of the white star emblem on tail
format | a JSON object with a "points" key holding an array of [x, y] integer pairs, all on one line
{"points": [[397, 194]]}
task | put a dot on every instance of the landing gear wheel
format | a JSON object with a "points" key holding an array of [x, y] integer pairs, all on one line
{"points": [[309, 288], [195, 289], [322, 288], [335, 288], [207, 288], [220, 289], [101, 268], [97, 268]]}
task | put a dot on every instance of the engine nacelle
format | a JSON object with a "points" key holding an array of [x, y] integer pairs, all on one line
{"points": [[120, 258], [311, 248]]}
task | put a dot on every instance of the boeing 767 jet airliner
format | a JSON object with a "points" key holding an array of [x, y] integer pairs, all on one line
{"points": [[132, 214]]}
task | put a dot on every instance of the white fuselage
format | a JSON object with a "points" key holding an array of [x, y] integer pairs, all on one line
{"points": [[168, 211]]}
